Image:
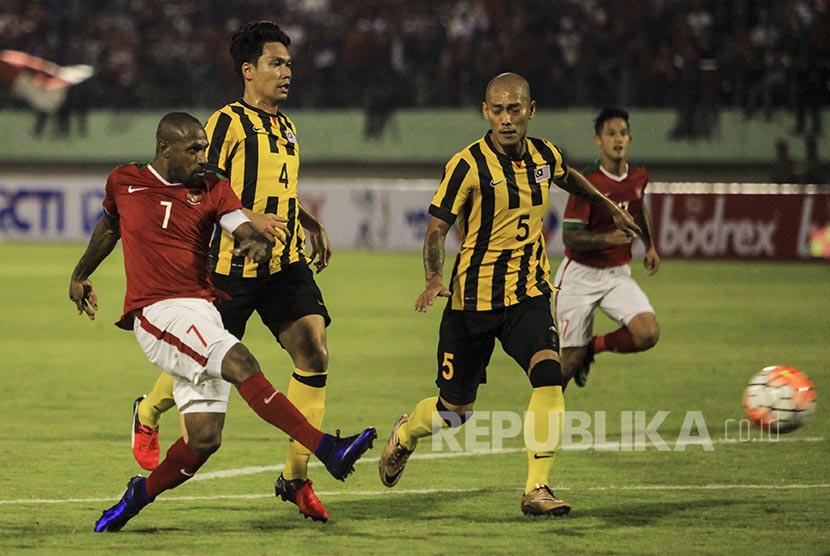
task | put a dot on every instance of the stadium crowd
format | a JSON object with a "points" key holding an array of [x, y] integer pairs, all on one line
{"points": [[692, 55]]}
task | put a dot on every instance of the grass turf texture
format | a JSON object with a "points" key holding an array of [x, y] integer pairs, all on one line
{"points": [[68, 386]]}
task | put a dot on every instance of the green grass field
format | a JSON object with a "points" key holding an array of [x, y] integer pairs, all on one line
{"points": [[68, 386]]}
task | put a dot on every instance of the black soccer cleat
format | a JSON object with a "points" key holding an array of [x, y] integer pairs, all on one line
{"points": [[581, 375]]}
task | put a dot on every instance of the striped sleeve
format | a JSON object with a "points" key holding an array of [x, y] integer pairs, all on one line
{"points": [[217, 128], [451, 195]]}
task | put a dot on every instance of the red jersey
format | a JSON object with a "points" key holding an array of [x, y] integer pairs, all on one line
{"points": [[627, 191], [165, 234]]}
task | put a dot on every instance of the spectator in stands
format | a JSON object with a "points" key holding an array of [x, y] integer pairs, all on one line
{"points": [[806, 79], [813, 171], [782, 169], [444, 51]]}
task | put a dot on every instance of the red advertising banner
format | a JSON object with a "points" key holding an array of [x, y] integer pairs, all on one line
{"points": [[742, 226]]}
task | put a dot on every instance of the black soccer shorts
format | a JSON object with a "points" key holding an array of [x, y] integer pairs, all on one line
{"points": [[467, 338], [279, 299]]}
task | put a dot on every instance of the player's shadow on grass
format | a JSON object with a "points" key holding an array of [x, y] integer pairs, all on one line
{"points": [[645, 513], [277, 515], [494, 507], [486, 506], [407, 505]]}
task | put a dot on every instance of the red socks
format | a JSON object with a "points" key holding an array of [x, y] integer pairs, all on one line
{"points": [[618, 341], [179, 465], [274, 407]]}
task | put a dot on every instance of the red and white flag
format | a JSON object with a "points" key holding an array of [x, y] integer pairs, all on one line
{"points": [[41, 83]]}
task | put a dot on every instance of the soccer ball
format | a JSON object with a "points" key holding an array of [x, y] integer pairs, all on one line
{"points": [[779, 399]]}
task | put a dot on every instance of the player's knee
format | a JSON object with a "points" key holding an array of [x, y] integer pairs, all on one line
{"points": [[318, 357], [239, 363], [547, 372], [204, 443], [310, 354], [453, 415], [205, 447], [647, 337]]}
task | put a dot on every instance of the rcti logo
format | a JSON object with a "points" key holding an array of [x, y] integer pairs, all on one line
{"points": [[32, 211]]}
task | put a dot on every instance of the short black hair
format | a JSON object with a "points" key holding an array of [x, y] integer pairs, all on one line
{"points": [[175, 124], [247, 42], [609, 113]]}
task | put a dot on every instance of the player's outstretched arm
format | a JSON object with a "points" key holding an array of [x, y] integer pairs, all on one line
{"points": [[585, 239], [575, 183], [434, 252], [101, 243]]}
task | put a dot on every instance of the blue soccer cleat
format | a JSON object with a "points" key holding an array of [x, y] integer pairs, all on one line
{"points": [[134, 498], [340, 454]]}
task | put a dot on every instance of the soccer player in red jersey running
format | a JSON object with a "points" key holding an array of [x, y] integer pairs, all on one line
{"points": [[165, 212], [257, 146], [595, 273]]}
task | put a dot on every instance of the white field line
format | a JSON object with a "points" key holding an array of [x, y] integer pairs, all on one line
{"points": [[431, 491], [444, 455], [599, 447]]}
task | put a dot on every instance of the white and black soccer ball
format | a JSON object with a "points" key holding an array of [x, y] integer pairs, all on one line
{"points": [[779, 399]]}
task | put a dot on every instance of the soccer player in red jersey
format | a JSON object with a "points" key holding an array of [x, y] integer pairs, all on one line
{"points": [[165, 213], [256, 145], [595, 273]]}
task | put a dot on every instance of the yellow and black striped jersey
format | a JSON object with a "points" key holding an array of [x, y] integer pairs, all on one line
{"points": [[259, 154], [500, 205]]}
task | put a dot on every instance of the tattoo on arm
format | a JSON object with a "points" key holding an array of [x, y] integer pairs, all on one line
{"points": [[584, 239], [434, 253]]}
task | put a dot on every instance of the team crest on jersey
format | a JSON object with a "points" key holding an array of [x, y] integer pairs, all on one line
{"points": [[194, 197], [541, 174], [290, 136]]}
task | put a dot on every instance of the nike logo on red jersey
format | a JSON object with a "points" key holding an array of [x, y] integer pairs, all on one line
{"points": [[133, 189]]}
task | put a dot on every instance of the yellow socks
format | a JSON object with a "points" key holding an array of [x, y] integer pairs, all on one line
{"points": [[159, 400], [307, 391], [424, 421], [543, 433]]}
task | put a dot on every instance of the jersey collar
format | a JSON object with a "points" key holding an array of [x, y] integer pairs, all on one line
{"points": [[258, 110], [158, 176], [488, 140], [612, 176]]}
